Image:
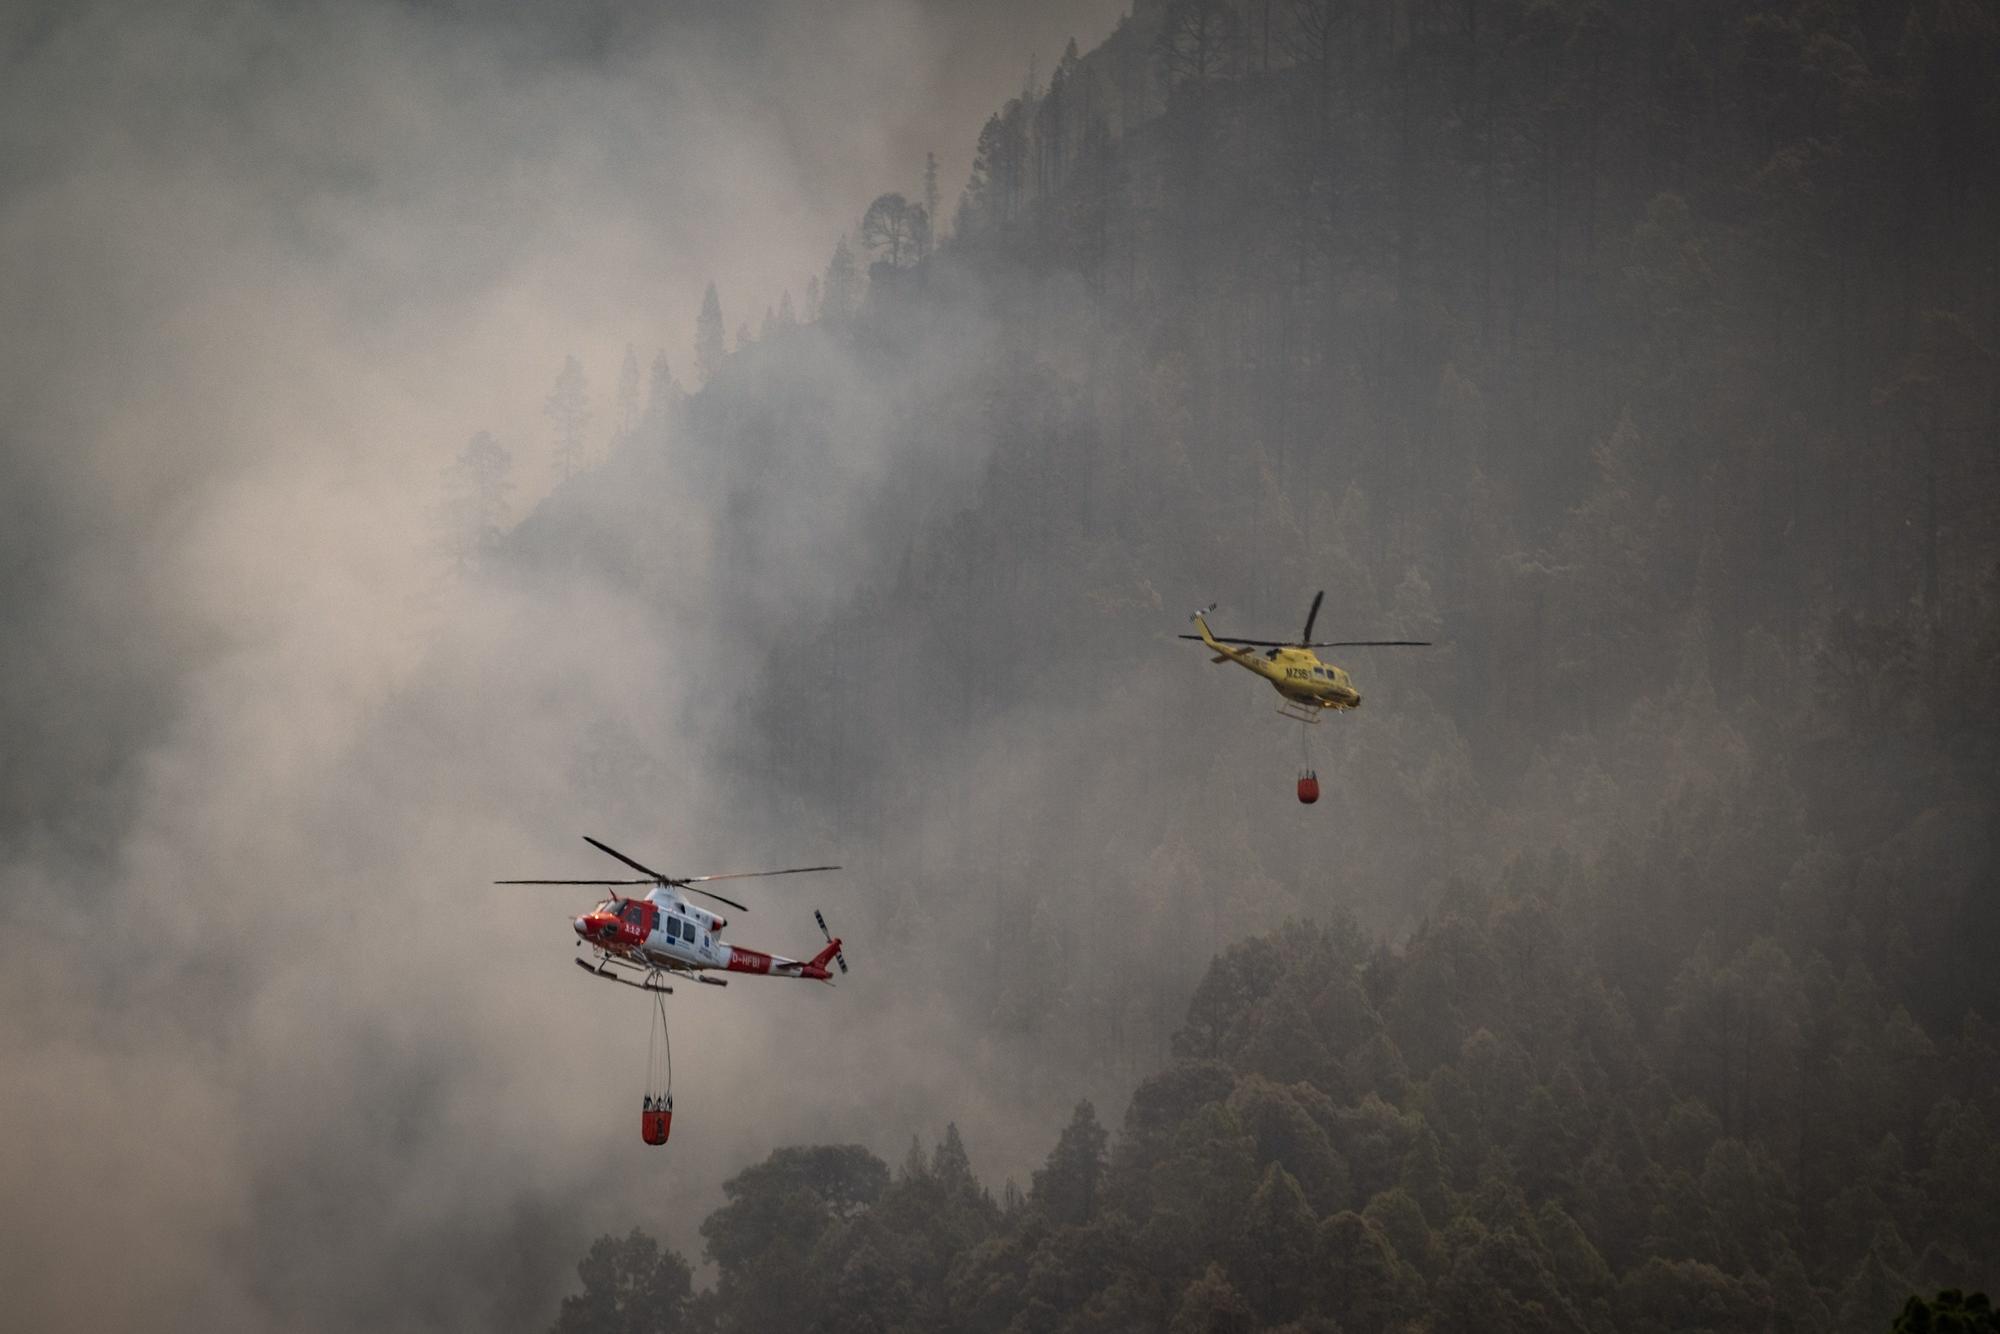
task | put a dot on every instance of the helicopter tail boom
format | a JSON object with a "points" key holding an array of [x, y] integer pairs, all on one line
{"points": [[1223, 653], [743, 960]]}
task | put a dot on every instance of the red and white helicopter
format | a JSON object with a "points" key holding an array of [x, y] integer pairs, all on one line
{"points": [[661, 933]]}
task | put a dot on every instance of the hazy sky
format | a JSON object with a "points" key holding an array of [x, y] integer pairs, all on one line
{"points": [[266, 1042]]}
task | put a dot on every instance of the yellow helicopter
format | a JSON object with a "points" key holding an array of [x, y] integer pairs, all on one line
{"points": [[1309, 686]]}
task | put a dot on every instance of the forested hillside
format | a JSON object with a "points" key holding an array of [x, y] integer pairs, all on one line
{"points": [[1471, 1132], [1643, 356]]}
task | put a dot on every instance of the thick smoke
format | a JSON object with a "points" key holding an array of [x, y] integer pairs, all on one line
{"points": [[274, 1054]]}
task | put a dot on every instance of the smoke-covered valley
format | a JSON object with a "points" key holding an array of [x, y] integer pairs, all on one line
{"points": [[271, 1038]]}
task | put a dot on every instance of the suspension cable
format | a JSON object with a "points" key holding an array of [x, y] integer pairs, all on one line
{"points": [[660, 1041]]}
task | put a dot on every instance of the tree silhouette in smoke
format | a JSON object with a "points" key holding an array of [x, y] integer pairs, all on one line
{"points": [[710, 346]]}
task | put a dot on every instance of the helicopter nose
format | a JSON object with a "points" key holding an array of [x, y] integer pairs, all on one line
{"points": [[582, 927]]}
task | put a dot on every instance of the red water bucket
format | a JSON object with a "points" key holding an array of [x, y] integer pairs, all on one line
{"points": [[1308, 788], [656, 1126]]}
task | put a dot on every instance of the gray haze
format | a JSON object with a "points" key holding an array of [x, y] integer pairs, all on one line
{"points": [[273, 1055]]}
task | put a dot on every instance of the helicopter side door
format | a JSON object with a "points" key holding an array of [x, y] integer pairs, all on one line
{"points": [[679, 933]]}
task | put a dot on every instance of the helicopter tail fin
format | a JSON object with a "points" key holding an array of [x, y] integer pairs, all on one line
{"points": [[1207, 637], [816, 968]]}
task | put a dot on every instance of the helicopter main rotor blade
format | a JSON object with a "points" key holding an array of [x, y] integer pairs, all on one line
{"points": [[688, 882], [678, 884], [1255, 643], [605, 847], [1312, 616], [576, 882], [711, 894], [1370, 643], [692, 883]]}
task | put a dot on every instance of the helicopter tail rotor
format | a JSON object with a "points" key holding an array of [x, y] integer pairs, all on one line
{"points": [[832, 943]]}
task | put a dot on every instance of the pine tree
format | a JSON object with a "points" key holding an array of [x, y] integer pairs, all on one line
{"points": [[896, 228], [1361, 1279], [709, 348], [1065, 1189], [950, 1164], [1401, 1222], [629, 1284], [475, 502], [661, 395], [1197, 39], [1422, 1177], [840, 294], [1872, 1294], [981, 205], [569, 408], [1279, 1248], [628, 397], [930, 195], [1212, 1305]]}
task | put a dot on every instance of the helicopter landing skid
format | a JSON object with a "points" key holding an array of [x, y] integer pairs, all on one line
{"points": [[647, 985], [1300, 713]]}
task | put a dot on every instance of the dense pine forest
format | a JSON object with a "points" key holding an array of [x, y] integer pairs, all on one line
{"points": [[1471, 1132], [1639, 973]]}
